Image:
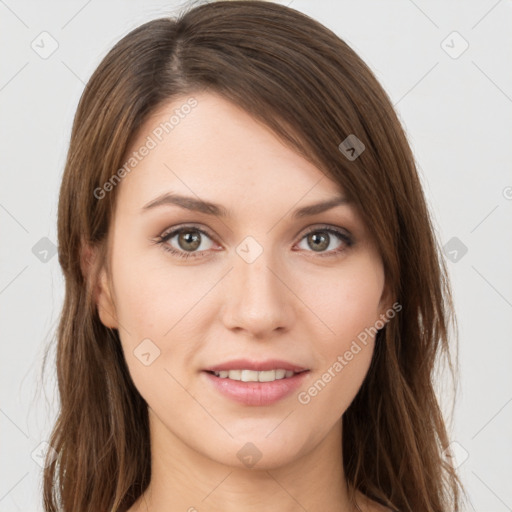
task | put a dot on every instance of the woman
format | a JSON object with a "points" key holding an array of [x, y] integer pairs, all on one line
{"points": [[254, 294]]}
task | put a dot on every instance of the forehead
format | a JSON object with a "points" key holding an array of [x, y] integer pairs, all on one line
{"points": [[206, 146]]}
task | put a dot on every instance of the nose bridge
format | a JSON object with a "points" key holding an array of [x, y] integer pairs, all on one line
{"points": [[256, 298]]}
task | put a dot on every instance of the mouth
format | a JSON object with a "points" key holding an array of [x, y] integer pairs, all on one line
{"points": [[245, 375], [256, 383], [250, 370]]}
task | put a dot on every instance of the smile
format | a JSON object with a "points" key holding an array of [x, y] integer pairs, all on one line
{"points": [[255, 376]]}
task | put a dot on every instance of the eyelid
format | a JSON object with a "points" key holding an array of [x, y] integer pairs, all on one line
{"points": [[207, 232], [191, 226], [326, 227]]}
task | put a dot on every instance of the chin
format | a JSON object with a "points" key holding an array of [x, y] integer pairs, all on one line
{"points": [[258, 452]]}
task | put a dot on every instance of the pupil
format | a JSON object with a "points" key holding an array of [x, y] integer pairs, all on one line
{"points": [[190, 239], [318, 238]]}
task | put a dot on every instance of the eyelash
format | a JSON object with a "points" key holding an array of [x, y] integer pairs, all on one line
{"points": [[162, 239]]}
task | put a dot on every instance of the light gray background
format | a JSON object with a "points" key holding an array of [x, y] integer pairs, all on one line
{"points": [[457, 112]]}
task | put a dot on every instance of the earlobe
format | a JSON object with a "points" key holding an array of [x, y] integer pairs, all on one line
{"points": [[102, 294], [104, 302]]}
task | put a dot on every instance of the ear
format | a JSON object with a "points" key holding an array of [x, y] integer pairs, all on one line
{"points": [[104, 301], [386, 304], [102, 292]]}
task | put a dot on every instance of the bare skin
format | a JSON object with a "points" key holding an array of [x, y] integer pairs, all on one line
{"points": [[296, 301]]}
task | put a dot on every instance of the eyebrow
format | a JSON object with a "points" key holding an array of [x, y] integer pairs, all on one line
{"points": [[217, 210]]}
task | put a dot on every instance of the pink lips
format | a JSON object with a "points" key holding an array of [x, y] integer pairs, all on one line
{"points": [[256, 393], [258, 366]]}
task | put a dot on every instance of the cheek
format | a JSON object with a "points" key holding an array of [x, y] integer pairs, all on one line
{"points": [[347, 302], [164, 312], [153, 309], [152, 298], [329, 393], [349, 306]]}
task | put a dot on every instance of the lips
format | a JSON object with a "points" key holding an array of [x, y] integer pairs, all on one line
{"points": [[258, 366], [255, 393], [256, 383]]}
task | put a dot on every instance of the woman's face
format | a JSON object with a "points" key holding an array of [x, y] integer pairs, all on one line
{"points": [[262, 283]]}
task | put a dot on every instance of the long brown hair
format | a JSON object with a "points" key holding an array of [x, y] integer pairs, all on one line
{"points": [[313, 91]]}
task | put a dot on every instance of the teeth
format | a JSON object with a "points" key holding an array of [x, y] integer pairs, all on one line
{"points": [[253, 376], [280, 374]]}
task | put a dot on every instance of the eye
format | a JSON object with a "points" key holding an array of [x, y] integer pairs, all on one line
{"points": [[188, 238], [189, 241], [320, 239]]}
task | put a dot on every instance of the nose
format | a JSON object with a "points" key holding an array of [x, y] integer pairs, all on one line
{"points": [[258, 299]]}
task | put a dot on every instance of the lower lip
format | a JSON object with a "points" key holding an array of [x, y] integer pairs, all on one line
{"points": [[257, 393]]}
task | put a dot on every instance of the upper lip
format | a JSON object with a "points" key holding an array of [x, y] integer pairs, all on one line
{"points": [[259, 366]]}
